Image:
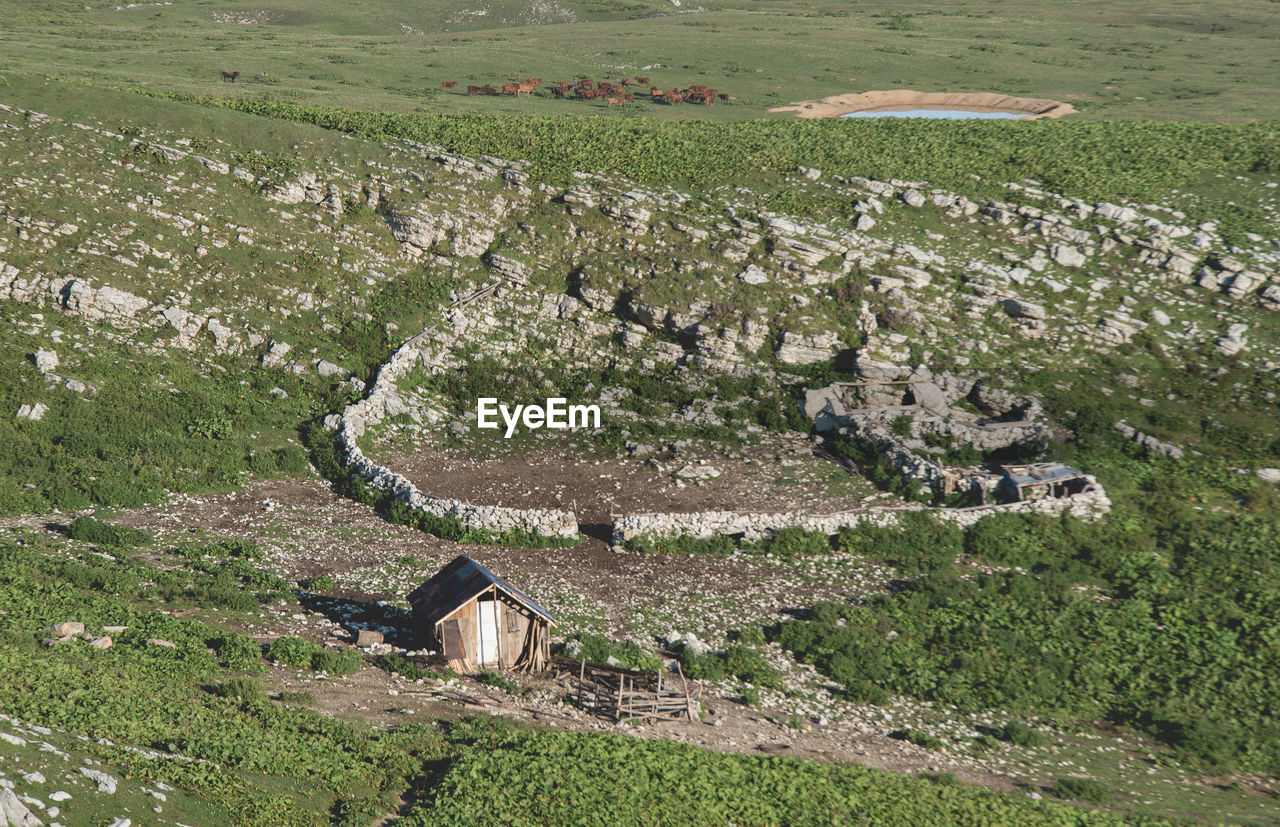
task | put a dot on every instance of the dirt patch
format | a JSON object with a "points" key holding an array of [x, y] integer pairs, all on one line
{"points": [[783, 475], [905, 99]]}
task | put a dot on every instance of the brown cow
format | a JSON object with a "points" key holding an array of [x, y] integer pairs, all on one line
{"points": [[510, 89], [448, 84], [642, 81], [229, 76], [723, 97], [615, 101], [527, 86], [673, 98]]}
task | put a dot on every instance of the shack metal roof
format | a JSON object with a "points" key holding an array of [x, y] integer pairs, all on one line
{"points": [[458, 583], [1040, 473]]}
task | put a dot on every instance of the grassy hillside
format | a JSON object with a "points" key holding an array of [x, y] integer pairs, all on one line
{"points": [[659, 267], [1203, 61]]}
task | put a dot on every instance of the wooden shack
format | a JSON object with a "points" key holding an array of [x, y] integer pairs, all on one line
{"points": [[1040, 480], [479, 621]]}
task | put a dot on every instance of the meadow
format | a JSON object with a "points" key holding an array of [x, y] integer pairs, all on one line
{"points": [[1114, 60]]}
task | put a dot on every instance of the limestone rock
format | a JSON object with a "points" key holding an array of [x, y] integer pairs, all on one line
{"points": [[913, 198], [13, 813], [46, 360], [799, 349], [1268, 474], [276, 351], [1067, 255], [35, 412], [106, 784]]}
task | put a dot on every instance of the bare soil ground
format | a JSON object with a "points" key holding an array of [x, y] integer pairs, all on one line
{"points": [[782, 475]]}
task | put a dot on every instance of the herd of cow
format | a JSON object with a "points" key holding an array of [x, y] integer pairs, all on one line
{"points": [[614, 94]]}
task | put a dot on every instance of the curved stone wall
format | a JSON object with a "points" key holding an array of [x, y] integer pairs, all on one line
{"points": [[383, 401]]}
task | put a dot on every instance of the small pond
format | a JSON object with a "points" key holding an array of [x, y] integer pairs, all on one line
{"points": [[940, 114]]}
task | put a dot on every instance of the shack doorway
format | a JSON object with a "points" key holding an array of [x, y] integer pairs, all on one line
{"points": [[487, 632]]}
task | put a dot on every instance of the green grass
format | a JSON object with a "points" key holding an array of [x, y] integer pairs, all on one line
{"points": [[1208, 61]]}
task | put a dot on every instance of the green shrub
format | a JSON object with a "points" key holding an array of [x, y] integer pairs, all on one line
{"points": [[319, 583], [400, 665], [337, 661], [500, 681], [294, 651], [749, 635], [793, 542], [1080, 789], [1019, 734], [246, 689], [901, 426], [91, 530], [239, 651], [598, 649]]}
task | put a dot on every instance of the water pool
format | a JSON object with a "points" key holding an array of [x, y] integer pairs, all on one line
{"points": [[937, 114]]}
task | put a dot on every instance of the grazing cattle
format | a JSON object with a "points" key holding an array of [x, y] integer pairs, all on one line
{"points": [[724, 98], [557, 91], [448, 84], [527, 86], [474, 90], [615, 101], [673, 98], [488, 90], [229, 76], [510, 89], [630, 97], [642, 81]]}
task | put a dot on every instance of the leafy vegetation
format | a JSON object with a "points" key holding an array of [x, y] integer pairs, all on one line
{"points": [[547, 777], [1094, 161], [92, 530]]}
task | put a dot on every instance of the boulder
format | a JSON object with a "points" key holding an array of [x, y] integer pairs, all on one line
{"points": [[366, 638], [913, 198], [1023, 309], [1268, 474], [13, 813], [106, 784], [753, 275], [46, 360], [1067, 255]]}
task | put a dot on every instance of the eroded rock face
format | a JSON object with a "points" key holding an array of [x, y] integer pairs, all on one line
{"points": [[806, 349]]}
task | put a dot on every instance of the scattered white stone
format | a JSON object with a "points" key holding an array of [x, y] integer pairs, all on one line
{"points": [[106, 784], [46, 360], [1268, 474], [36, 411]]}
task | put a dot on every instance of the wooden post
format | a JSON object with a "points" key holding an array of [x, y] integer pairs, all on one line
{"points": [[582, 671], [688, 702], [622, 680]]}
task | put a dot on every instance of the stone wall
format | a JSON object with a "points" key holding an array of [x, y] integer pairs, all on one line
{"points": [[383, 401], [1089, 504]]}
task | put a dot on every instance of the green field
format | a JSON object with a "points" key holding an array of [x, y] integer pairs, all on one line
{"points": [[1191, 61]]}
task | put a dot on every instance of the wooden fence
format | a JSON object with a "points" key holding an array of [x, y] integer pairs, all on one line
{"points": [[611, 692]]}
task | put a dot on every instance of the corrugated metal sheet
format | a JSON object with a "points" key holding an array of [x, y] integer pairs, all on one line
{"points": [[1039, 474], [456, 584]]}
